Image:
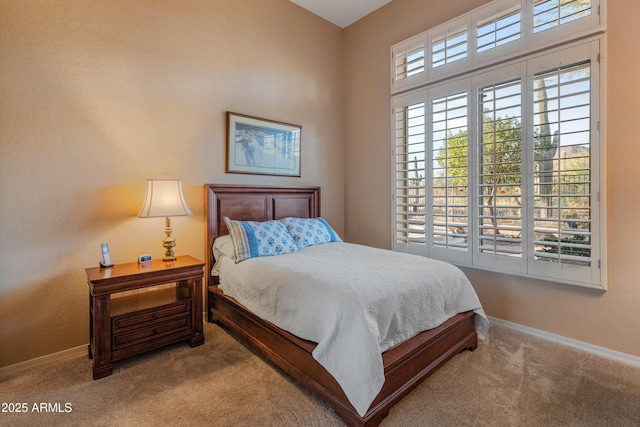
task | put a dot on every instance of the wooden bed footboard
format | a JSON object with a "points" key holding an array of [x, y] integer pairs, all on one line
{"points": [[405, 366]]}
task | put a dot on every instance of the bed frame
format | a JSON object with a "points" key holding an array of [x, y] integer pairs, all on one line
{"points": [[405, 365]]}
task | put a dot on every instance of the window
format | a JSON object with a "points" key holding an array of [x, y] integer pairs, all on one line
{"points": [[409, 62], [449, 48], [410, 173], [498, 30], [562, 166], [549, 14], [499, 168], [449, 199]]}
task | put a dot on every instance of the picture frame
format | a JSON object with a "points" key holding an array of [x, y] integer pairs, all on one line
{"points": [[262, 147]]}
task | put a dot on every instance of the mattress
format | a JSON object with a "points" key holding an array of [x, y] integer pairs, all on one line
{"points": [[354, 301]]}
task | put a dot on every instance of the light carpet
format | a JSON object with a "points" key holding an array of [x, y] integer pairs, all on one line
{"points": [[512, 379]]}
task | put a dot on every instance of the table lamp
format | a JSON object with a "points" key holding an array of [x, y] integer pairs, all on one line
{"points": [[164, 198]]}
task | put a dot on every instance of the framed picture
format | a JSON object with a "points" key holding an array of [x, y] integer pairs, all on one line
{"points": [[262, 147]]}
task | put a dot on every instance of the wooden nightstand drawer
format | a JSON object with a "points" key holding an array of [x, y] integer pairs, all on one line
{"points": [[150, 317], [155, 332]]}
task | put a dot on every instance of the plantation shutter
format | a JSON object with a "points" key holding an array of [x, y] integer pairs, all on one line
{"points": [[562, 165], [496, 141], [498, 30], [409, 153], [500, 169], [449, 180], [548, 14], [556, 19], [409, 62], [449, 47]]}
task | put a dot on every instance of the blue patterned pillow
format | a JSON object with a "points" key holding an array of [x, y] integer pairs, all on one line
{"points": [[253, 239], [310, 231]]}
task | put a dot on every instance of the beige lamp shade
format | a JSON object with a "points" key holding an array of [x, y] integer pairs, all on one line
{"points": [[164, 198]]}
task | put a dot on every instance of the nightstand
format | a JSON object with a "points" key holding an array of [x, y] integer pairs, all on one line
{"points": [[135, 308]]}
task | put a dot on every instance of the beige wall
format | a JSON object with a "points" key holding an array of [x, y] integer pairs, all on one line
{"points": [[98, 96], [609, 319]]}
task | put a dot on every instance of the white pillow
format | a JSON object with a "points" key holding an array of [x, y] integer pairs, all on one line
{"points": [[222, 247]]}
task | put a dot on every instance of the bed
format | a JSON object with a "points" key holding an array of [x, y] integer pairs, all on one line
{"points": [[405, 364]]}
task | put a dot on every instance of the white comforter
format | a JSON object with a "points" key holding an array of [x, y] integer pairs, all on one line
{"points": [[354, 301]]}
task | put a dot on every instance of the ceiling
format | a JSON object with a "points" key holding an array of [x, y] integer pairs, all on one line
{"points": [[341, 12]]}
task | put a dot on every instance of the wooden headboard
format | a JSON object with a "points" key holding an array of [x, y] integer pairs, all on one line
{"points": [[252, 203]]}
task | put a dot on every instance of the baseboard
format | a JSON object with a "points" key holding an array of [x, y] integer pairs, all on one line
{"points": [[18, 368], [628, 359], [589, 348]]}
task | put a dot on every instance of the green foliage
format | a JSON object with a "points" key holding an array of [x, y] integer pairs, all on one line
{"points": [[567, 250], [500, 153], [454, 159]]}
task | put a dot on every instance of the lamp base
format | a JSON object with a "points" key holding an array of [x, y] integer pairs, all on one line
{"points": [[169, 257], [168, 242]]}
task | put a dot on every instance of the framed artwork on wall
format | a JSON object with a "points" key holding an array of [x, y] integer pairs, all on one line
{"points": [[262, 147]]}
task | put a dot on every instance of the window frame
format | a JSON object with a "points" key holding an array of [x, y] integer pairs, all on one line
{"points": [[593, 276]]}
